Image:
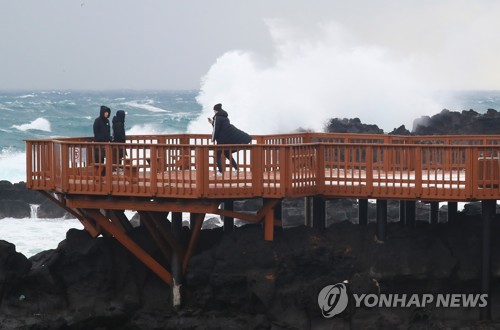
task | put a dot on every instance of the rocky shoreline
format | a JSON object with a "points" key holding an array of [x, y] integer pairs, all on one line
{"points": [[239, 281]]}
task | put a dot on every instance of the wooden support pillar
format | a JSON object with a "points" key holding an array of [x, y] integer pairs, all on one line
{"points": [[177, 280], [488, 208], [278, 210], [269, 226], [452, 211], [319, 211], [268, 209], [363, 212], [192, 220], [228, 221], [177, 223], [410, 213], [196, 224], [176, 263], [402, 212], [307, 211], [381, 219], [434, 216]]}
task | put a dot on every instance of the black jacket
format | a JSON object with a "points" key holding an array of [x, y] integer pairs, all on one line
{"points": [[101, 126], [119, 127], [225, 133]]}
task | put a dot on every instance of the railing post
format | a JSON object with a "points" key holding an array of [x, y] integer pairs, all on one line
{"points": [[257, 169], [202, 170], [369, 170], [153, 163], [285, 174], [418, 171], [109, 167], [29, 162], [50, 150], [320, 169], [64, 166], [471, 175], [386, 154]]}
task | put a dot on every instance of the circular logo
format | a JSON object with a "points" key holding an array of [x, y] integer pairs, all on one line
{"points": [[333, 299]]}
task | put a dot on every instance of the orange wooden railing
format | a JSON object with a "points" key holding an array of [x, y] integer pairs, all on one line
{"points": [[446, 168]]}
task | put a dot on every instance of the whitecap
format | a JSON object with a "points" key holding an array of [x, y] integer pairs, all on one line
{"points": [[147, 107], [40, 124], [26, 96], [148, 129]]}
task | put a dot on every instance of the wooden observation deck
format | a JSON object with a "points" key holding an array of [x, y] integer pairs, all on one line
{"points": [[162, 174]]}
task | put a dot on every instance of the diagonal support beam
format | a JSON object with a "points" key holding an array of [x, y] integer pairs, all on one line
{"points": [[130, 245], [89, 226], [150, 226], [167, 234]]}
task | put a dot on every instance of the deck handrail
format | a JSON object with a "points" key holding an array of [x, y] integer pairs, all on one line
{"points": [[370, 166], [308, 137]]}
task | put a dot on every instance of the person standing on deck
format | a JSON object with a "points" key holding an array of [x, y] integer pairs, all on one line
{"points": [[119, 131], [102, 133], [226, 133]]}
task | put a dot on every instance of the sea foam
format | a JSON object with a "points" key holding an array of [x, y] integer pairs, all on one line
{"points": [[33, 235], [147, 107], [12, 165], [40, 124]]}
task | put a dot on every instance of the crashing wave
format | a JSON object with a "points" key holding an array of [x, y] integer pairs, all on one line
{"points": [[147, 107], [40, 124]]}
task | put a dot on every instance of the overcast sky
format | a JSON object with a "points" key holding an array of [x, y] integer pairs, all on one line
{"points": [[114, 44]]}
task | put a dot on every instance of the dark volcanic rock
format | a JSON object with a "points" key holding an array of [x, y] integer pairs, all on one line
{"points": [[13, 267], [49, 209], [453, 122], [444, 123], [15, 201], [14, 209], [85, 283], [336, 125], [401, 130], [238, 280]]}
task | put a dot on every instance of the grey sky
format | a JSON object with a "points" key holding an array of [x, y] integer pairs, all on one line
{"points": [[162, 44]]}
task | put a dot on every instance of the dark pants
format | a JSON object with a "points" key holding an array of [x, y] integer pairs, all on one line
{"points": [[99, 154], [227, 154]]}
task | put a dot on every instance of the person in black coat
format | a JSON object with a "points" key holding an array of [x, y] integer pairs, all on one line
{"points": [[226, 133], [119, 131], [102, 132]]}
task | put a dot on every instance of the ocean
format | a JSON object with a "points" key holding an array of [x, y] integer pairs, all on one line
{"points": [[49, 114]]}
